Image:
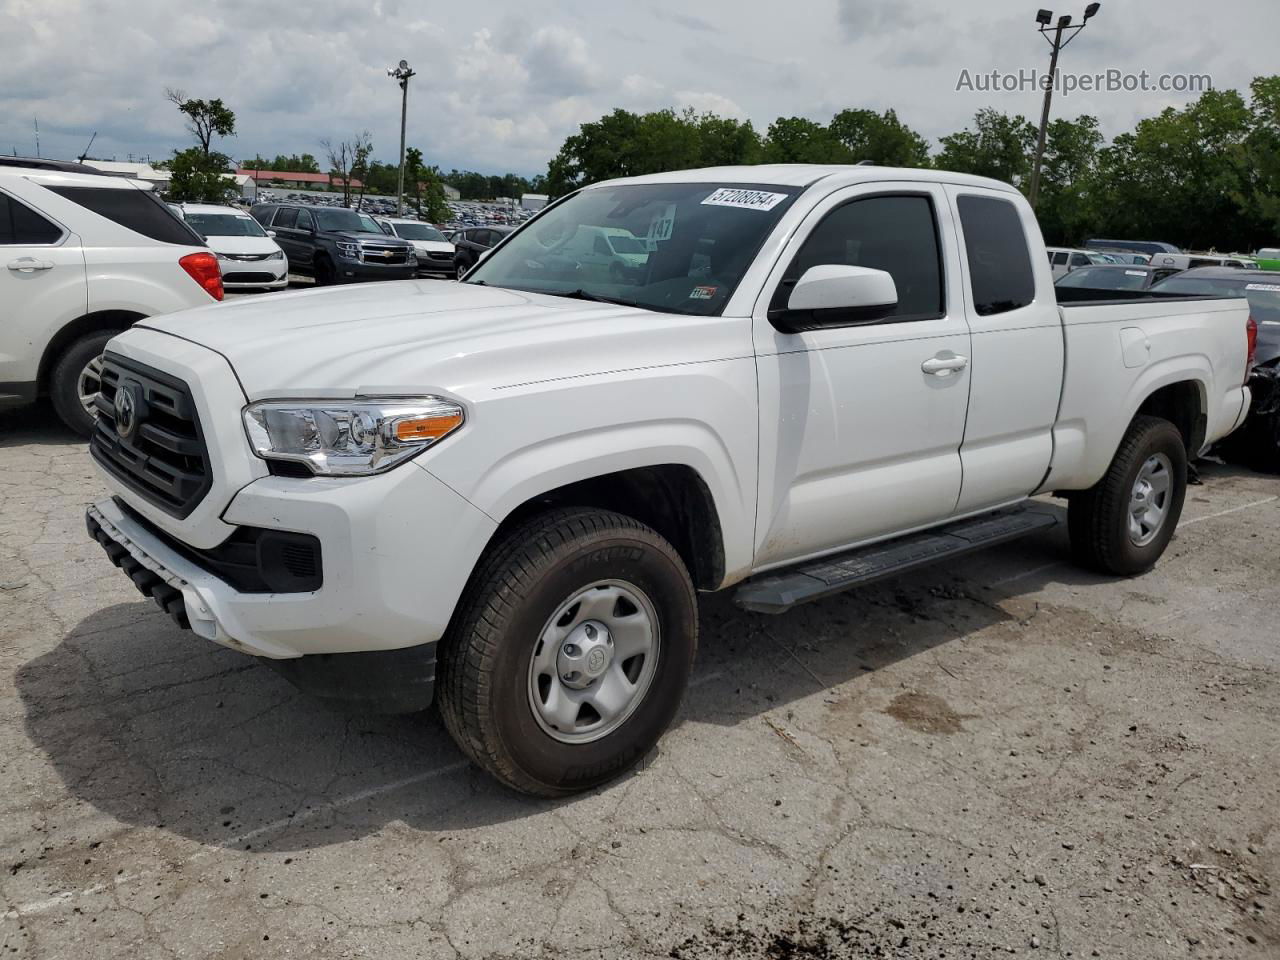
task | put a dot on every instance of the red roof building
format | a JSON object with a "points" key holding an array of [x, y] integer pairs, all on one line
{"points": [[296, 179]]}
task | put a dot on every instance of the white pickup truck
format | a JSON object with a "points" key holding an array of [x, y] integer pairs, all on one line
{"points": [[812, 378]]}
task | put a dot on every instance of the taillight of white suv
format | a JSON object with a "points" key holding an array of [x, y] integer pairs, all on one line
{"points": [[203, 269]]}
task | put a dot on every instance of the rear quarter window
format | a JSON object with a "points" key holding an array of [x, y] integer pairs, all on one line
{"points": [[135, 210], [999, 260], [21, 225]]}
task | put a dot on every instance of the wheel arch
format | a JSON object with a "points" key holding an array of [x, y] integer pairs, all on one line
{"points": [[100, 321], [672, 498]]}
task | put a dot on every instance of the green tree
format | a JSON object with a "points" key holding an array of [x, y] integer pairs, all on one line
{"points": [[1067, 176], [998, 146], [881, 138], [206, 119], [800, 140], [195, 178]]}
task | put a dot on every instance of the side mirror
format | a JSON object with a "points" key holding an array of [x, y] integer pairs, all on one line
{"points": [[837, 295], [271, 233]]}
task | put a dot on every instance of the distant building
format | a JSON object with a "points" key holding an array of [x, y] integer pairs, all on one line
{"points": [[451, 192], [287, 178], [160, 178], [533, 201]]}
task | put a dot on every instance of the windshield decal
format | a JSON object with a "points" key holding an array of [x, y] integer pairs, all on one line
{"points": [[744, 199], [1268, 287], [1134, 273], [702, 293]]}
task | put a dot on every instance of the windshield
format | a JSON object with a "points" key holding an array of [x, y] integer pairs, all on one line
{"points": [[1105, 278], [417, 231], [693, 243], [370, 225], [1263, 297], [343, 219], [224, 225]]}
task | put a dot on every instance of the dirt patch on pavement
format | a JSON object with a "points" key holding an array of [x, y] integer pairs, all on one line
{"points": [[925, 713]]}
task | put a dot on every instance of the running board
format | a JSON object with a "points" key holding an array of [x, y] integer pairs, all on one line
{"points": [[779, 592]]}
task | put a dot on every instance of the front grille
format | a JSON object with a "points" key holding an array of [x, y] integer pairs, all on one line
{"points": [[249, 277], [247, 257], [162, 456], [388, 255], [437, 255]]}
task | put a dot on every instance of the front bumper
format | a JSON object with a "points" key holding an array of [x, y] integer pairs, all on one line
{"points": [[397, 551], [357, 270]]}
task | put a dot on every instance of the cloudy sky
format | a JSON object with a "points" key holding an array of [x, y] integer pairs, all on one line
{"points": [[501, 82]]}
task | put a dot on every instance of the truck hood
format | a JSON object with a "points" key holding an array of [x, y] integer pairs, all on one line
{"points": [[406, 337]]}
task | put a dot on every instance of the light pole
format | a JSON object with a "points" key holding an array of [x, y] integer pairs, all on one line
{"points": [[1057, 43], [402, 73]]}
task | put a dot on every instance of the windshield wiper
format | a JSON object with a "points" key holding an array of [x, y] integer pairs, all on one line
{"points": [[581, 294]]}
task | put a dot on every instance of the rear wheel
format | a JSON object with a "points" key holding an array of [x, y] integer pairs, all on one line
{"points": [[459, 269], [572, 652], [1123, 523], [75, 381]]}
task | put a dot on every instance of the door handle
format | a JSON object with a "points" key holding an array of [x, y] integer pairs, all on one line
{"points": [[944, 366], [29, 264]]}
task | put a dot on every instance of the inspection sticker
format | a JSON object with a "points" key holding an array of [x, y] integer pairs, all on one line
{"points": [[1269, 287], [1135, 273], [703, 293], [746, 199]]}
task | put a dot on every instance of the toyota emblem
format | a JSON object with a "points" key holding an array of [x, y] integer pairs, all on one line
{"points": [[126, 409]]}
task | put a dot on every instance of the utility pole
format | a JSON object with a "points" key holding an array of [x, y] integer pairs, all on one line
{"points": [[37, 123], [1044, 17], [402, 73]]}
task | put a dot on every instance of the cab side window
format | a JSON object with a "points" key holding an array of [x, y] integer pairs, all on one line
{"points": [[22, 226], [999, 259], [895, 233], [287, 217], [304, 221]]}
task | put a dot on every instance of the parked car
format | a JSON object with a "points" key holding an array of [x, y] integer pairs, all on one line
{"points": [[1259, 442], [86, 255], [528, 476], [1190, 261], [1148, 247], [472, 243], [334, 245], [435, 253], [249, 256], [1107, 278], [1063, 260]]}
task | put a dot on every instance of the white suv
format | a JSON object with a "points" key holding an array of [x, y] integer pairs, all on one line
{"points": [[86, 255]]}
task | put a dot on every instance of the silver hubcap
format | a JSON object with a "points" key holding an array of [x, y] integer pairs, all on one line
{"points": [[594, 662], [88, 386], [1149, 499]]}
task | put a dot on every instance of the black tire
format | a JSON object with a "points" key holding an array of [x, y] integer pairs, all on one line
{"points": [[64, 380], [324, 272], [460, 268], [1098, 518], [485, 656]]}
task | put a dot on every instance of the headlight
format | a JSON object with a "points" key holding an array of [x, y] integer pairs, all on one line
{"points": [[278, 255], [222, 256], [350, 250], [413, 257], [353, 438]]}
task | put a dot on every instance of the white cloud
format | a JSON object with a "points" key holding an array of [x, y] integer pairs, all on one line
{"points": [[501, 83]]}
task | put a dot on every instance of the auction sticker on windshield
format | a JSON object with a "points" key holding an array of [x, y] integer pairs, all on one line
{"points": [[745, 199], [1269, 287]]}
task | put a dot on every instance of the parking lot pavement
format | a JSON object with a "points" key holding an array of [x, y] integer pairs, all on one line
{"points": [[1003, 755]]}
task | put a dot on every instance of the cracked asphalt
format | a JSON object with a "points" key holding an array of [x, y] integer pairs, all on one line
{"points": [[1003, 756]]}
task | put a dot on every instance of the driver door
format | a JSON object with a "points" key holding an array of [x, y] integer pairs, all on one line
{"points": [[860, 432]]}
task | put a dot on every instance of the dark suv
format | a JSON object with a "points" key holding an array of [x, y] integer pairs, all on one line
{"points": [[470, 242], [335, 244]]}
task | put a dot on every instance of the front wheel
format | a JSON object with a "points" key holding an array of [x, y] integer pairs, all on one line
{"points": [[571, 652], [76, 379], [1123, 523], [324, 272]]}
